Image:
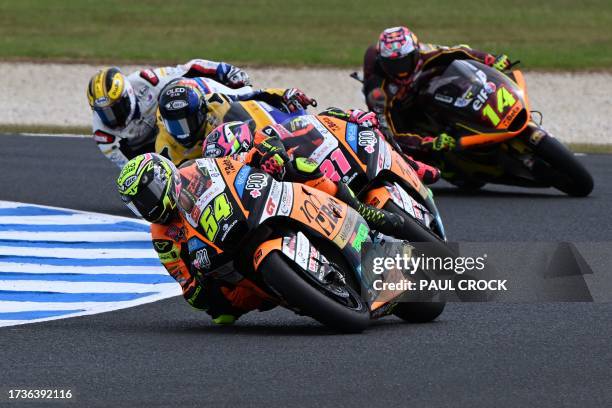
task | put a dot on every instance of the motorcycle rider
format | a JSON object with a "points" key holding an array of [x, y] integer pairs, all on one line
{"points": [[188, 112], [393, 72], [150, 186], [124, 106], [266, 149]]}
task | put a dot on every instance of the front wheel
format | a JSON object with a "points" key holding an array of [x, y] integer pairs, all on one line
{"points": [[566, 173], [338, 307]]}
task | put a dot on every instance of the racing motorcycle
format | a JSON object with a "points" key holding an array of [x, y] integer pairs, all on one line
{"points": [[372, 168], [488, 113], [296, 246]]}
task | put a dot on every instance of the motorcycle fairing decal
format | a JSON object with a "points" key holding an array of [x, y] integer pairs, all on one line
{"points": [[378, 197], [383, 159], [241, 179], [265, 249], [211, 172], [329, 144], [272, 201], [351, 136], [409, 204], [322, 212], [286, 201], [347, 231], [299, 249]]}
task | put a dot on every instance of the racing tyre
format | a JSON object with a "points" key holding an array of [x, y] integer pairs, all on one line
{"points": [[569, 175], [349, 314], [414, 231], [419, 312]]}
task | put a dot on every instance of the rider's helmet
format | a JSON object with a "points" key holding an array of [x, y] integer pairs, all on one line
{"points": [[228, 139], [111, 96], [183, 111], [149, 185], [398, 52]]}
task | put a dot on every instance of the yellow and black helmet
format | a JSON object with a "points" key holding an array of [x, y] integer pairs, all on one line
{"points": [[111, 96]]}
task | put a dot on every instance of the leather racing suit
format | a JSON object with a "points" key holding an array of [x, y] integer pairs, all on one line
{"points": [[121, 144], [395, 101]]}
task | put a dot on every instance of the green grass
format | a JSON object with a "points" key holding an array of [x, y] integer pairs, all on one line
{"points": [[556, 34]]}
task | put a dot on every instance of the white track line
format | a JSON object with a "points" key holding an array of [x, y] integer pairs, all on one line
{"points": [[74, 219], [72, 135], [119, 270], [98, 236], [81, 287], [77, 253], [114, 270]]}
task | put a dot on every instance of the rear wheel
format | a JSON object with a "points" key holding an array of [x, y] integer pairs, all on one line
{"points": [[338, 306], [566, 173], [419, 312]]}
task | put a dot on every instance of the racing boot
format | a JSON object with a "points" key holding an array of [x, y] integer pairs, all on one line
{"points": [[225, 320], [380, 220]]}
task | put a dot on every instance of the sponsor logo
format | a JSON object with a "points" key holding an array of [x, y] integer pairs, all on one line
{"points": [[130, 180], [162, 245], [255, 183], [103, 137], [175, 105], [443, 98], [103, 100], [227, 228], [202, 261], [286, 201], [289, 244], [149, 76], [241, 179], [360, 237], [480, 100], [175, 91], [351, 134], [270, 206], [367, 140]]}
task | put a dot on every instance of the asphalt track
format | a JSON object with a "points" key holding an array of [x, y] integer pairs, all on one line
{"points": [[166, 354]]}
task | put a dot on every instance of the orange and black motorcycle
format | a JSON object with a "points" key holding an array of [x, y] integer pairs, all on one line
{"points": [[373, 169], [488, 113], [298, 247]]}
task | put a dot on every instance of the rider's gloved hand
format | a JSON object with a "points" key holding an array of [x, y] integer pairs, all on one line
{"points": [[273, 163], [363, 118], [501, 62], [237, 78], [273, 157], [296, 99], [440, 143]]}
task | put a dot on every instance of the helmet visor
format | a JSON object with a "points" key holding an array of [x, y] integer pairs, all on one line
{"points": [[184, 130], [401, 68], [116, 114], [149, 202]]}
